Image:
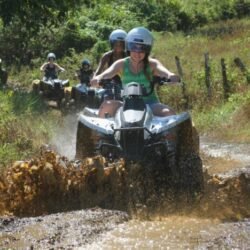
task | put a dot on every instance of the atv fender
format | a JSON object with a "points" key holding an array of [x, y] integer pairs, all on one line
{"points": [[36, 86], [108, 108], [189, 164]]}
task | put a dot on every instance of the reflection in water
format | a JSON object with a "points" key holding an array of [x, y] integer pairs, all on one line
{"points": [[176, 232], [233, 151]]}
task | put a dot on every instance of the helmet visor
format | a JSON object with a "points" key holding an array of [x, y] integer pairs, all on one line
{"points": [[118, 44], [138, 47]]}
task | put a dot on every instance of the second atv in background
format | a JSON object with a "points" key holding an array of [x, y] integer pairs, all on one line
{"points": [[82, 94], [51, 86]]}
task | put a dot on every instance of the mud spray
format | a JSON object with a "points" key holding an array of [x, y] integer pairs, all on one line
{"points": [[162, 213]]}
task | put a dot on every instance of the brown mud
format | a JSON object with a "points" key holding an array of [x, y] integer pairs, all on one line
{"points": [[51, 186]]}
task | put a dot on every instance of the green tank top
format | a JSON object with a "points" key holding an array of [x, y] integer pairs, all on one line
{"points": [[128, 76]]}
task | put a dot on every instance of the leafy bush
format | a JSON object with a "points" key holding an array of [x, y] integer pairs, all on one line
{"points": [[72, 37], [99, 48], [242, 8], [101, 29], [94, 21]]}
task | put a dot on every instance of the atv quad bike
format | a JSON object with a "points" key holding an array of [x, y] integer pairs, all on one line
{"points": [[84, 95], [53, 89], [131, 130]]}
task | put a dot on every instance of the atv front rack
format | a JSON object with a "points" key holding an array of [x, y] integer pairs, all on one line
{"points": [[132, 144]]}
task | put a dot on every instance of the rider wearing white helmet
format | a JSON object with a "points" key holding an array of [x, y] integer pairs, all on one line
{"points": [[50, 67], [139, 67], [117, 43]]}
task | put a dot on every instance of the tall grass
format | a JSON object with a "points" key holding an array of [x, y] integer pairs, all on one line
{"points": [[25, 124], [226, 40]]}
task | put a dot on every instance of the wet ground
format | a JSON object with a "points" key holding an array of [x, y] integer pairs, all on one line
{"points": [[217, 220], [176, 232], [58, 231]]}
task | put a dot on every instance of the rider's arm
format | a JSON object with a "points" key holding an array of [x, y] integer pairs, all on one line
{"points": [[161, 71], [91, 74], [43, 67], [59, 68], [77, 74], [109, 73], [103, 62]]}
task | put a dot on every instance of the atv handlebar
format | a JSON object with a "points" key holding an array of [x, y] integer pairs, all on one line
{"points": [[107, 83], [110, 84], [158, 80]]}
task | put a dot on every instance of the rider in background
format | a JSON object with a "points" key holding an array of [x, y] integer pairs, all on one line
{"points": [[85, 73], [3, 75], [51, 68], [117, 43], [139, 67]]}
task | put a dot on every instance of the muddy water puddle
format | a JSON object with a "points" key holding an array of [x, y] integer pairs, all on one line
{"points": [[176, 232], [236, 152]]}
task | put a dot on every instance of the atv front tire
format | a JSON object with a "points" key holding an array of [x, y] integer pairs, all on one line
{"points": [[85, 142], [191, 179], [187, 139], [189, 164], [36, 86]]}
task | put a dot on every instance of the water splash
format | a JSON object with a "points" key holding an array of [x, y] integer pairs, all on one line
{"points": [[64, 136]]}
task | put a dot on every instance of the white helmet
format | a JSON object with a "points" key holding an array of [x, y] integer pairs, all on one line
{"points": [[51, 55], [117, 35], [139, 39]]}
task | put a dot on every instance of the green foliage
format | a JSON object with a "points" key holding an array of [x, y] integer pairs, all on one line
{"points": [[242, 7], [25, 123], [101, 29], [13, 43], [118, 14], [33, 28], [72, 37], [230, 120], [98, 50], [32, 14]]}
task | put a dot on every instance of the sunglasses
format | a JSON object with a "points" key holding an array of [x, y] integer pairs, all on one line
{"points": [[138, 47]]}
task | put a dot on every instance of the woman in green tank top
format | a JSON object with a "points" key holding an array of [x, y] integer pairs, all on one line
{"points": [[139, 67], [141, 77]]}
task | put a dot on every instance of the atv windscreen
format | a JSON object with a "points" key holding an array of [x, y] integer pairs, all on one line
{"points": [[135, 103]]}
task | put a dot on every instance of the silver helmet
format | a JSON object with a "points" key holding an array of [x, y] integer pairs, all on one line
{"points": [[51, 55], [139, 39], [117, 35]]}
